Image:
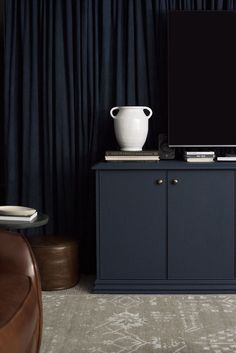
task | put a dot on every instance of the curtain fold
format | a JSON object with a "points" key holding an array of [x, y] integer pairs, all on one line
{"points": [[66, 64]]}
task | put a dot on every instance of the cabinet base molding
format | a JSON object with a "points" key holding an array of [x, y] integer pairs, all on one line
{"points": [[165, 286]]}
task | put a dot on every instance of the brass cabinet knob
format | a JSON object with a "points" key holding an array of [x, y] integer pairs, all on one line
{"points": [[174, 181], [159, 181]]}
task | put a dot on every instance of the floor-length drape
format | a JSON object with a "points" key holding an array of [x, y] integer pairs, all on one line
{"points": [[67, 62]]}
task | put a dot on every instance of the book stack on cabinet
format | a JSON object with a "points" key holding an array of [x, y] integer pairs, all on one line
{"points": [[132, 156], [199, 156]]}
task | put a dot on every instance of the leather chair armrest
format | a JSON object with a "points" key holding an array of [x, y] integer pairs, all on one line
{"points": [[17, 257]]}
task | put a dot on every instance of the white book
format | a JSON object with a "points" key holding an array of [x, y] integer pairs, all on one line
{"points": [[194, 153], [199, 160], [227, 159], [19, 218], [200, 156]]}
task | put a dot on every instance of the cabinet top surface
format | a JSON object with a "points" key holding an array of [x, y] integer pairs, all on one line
{"points": [[167, 165]]}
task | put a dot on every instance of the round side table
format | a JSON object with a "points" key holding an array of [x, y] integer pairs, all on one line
{"points": [[41, 220]]}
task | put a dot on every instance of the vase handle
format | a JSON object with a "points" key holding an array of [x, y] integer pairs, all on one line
{"points": [[112, 110], [150, 111]]}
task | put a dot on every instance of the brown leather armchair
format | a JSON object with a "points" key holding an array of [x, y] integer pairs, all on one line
{"points": [[20, 296]]}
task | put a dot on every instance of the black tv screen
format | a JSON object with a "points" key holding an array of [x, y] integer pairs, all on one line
{"points": [[202, 78]]}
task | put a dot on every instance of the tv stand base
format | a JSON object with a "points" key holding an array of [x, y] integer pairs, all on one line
{"points": [[165, 286]]}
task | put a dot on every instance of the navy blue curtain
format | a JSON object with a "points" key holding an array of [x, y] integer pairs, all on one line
{"points": [[67, 63]]}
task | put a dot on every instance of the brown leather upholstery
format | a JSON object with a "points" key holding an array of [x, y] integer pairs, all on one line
{"points": [[20, 296], [57, 259]]}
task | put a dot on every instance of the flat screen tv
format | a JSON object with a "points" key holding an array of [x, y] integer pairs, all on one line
{"points": [[202, 79]]}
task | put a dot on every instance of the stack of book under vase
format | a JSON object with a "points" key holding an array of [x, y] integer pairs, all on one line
{"points": [[199, 156], [132, 156], [17, 214]]}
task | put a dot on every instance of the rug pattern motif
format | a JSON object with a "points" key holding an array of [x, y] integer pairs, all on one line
{"points": [[89, 323]]}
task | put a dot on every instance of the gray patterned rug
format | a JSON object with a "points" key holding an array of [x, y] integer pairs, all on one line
{"points": [[77, 321]]}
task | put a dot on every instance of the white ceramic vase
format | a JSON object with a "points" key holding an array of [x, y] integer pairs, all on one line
{"points": [[131, 126]]}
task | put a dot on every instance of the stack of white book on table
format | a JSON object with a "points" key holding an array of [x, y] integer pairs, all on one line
{"points": [[199, 156], [132, 156], [17, 214]]}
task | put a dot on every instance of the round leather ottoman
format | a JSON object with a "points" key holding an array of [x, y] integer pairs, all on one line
{"points": [[57, 260]]}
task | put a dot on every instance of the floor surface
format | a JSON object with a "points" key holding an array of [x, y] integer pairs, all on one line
{"points": [[78, 321]]}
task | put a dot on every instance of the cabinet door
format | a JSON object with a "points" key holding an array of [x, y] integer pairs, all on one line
{"points": [[132, 225], [201, 225]]}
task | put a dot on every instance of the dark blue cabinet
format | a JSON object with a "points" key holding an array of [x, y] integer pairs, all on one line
{"points": [[201, 225], [132, 225], [165, 227]]}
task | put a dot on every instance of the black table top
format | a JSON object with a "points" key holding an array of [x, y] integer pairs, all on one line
{"points": [[41, 220]]}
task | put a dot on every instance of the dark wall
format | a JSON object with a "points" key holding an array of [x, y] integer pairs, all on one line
{"points": [[66, 64]]}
